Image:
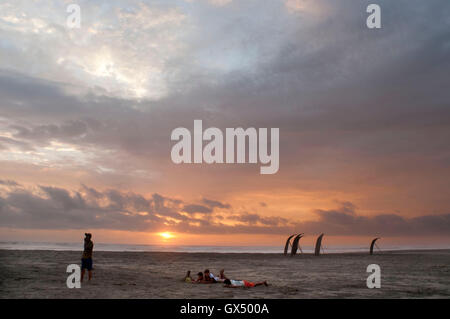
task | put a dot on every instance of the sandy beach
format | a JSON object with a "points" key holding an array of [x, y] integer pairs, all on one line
{"points": [[404, 274]]}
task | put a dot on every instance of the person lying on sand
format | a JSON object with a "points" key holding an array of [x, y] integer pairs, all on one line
{"points": [[221, 277], [209, 276], [188, 277], [242, 283], [201, 279]]}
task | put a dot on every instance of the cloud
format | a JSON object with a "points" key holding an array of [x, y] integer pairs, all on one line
{"points": [[9, 183], [68, 130], [253, 219], [219, 3], [307, 7], [6, 143], [121, 50], [47, 207], [359, 111], [213, 203], [191, 209], [345, 221]]}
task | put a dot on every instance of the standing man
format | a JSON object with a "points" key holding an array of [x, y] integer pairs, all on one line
{"points": [[86, 259]]}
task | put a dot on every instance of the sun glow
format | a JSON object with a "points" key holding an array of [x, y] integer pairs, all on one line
{"points": [[166, 235]]}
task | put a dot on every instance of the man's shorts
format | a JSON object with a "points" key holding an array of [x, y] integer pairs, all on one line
{"points": [[248, 284], [86, 263]]}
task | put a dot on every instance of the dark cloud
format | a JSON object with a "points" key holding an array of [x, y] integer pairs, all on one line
{"points": [[191, 209], [214, 203], [253, 219], [9, 183], [67, 131], [92, 192], [63, 199], [345, 221], [6, 143], [57, 208]]}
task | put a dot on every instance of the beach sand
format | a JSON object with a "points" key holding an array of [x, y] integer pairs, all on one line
{"points": [[404, 274]]}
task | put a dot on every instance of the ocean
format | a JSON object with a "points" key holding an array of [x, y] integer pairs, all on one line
{"points": [[22, 245]]}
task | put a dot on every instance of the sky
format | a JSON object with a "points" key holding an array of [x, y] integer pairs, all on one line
{"points": [[86, 116]]}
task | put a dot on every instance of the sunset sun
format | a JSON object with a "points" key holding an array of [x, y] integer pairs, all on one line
{"points": [[166, 235]]}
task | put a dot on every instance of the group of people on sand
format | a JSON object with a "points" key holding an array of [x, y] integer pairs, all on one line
{"points": [[208, 277], [205, 277]]}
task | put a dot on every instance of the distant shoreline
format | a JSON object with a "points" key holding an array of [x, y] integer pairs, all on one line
{"points": [[308, 253], [209, 249]]}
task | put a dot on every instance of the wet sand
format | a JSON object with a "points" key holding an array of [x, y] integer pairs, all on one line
{"points": [[404, 274]]}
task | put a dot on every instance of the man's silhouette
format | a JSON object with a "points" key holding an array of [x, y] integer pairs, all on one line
{"points": [[86, 259]]}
